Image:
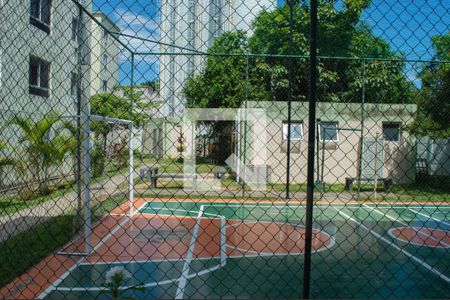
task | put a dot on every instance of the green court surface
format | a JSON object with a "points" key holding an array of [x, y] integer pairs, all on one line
{"points": [[254, 250]]}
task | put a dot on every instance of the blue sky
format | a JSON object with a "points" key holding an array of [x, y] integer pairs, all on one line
{"points": [[407, 25]]}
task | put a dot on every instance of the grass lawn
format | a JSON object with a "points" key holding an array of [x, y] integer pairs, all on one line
{"points": [[12, 203], [28, 248], [433, 189], [175, 165]]}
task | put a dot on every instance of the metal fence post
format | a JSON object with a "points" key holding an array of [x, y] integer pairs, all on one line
{"points": [[290, 78], [311, 145]]}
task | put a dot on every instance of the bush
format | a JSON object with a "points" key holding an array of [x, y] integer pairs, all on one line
{"points": [[28, 192], [122, 158], [98, 161]]}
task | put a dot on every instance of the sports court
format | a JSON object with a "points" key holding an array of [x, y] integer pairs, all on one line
{"points": [[236, 249]]}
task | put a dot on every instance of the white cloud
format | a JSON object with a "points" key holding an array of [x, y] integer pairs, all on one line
{"points": [[138, 27]]}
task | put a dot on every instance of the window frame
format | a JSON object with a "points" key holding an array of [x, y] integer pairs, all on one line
{"points": [[399, 124], [73, 84], [37, 88], [74, 29], [36, 15], [294, 122], [105, 35], [104, 86], [320, 131], [105, 61]]}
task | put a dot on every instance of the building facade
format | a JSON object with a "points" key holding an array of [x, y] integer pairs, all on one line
{"points": [[44, 46], [39, 56], [193, 24], [104, 51], [349, 141]]}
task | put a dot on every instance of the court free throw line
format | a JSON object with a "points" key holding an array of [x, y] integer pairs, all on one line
{"points": [[54, 285], [416, 259], [400, 221], [429, 217], [185, 273]]}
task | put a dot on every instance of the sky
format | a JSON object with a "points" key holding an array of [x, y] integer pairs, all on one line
{"points": [[407, 25]]}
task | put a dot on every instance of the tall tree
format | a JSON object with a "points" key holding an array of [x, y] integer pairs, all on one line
{"points": [[114, 106], [433, 99], [222, 82], [341, 34]]}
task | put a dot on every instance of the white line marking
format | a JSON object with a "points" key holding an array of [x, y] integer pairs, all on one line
{"points": [[429, 217], [331, 239], [391, 233], [418, 232], [417, 260], [223, 258], [223, 241], [184, 274], [54, 285], [264, 204]]}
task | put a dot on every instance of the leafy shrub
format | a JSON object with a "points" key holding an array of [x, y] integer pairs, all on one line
{"points": [[98, 161], [122, 157], [29, 191]]}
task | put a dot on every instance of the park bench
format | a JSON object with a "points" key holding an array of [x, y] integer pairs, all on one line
{"points": [[152, 175], [386, 182]]}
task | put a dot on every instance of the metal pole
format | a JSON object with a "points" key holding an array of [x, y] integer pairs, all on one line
{"points": [[87, 177], [78, 122], [318, 148], [131, 158], [85, 133], [376, 166], [322, 166], [290, 68], [245, 126], [363, 99], [311, 144]]}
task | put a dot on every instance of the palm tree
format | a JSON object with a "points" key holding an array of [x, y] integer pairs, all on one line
{"points": [[6, 161], [42, 149]]}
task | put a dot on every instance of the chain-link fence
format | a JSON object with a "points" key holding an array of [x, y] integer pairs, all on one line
{"points": [[224, 149]]}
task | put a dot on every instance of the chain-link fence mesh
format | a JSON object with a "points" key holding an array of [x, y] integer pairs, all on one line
{"points": [[224, 149]]}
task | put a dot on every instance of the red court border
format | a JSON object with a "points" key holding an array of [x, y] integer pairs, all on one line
{"points": [[422, 236], [38, 278]]}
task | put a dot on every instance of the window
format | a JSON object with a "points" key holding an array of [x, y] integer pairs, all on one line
{"points": [[73, 84], [105, 61], [74, 29], [296, 131], [105, 35], [105, 86], [215, 20], [39, 76], [40, 11], [328, 131], [391, 132]]}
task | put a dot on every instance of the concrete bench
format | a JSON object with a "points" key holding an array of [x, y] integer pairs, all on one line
{"points": [[155, 176], [386, 182]]}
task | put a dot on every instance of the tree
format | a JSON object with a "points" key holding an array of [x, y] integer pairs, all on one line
{"points": [[111, 105], [44, 146], [7, 161], [153, 84], [433, 99], [222, 82]]}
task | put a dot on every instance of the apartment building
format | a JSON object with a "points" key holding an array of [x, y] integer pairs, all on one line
{"points": [[39, 43], [194, 24], [104, 52], [44, 48]]}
